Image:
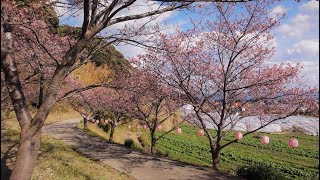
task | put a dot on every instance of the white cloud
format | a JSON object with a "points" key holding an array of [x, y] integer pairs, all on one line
{"points": [[305, 47], [262, 39], [301, 18], [311, 6], [130, 51], [298, 40], [297, 27], [310, 72], [305, 20], [278, 10]]}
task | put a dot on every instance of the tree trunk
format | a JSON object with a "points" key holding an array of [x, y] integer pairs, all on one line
{"points": [[111, 133], [41, 90], [31, 127], [153, 143], [215, 159], [26, 155], [215, 151], [85, 126]]}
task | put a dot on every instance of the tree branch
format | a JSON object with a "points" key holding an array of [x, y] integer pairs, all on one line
{"points": [[151, 13]]}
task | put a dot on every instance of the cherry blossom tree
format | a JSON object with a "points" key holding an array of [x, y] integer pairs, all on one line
{"points": [[65, 55], [221, 67], [82, 105], [151, 102], [115, 104]]}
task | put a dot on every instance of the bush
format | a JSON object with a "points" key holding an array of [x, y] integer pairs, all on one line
{"points": [[259, 172], [128, 143], [98, 114], [104, 127]]}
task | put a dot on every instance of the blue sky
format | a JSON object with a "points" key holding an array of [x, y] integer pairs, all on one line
{"points": [[296, 39]]}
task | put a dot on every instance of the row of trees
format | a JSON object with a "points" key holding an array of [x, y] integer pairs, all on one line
{"points": [[52, 57], [225, 63], [220, 69], [138, 95]]}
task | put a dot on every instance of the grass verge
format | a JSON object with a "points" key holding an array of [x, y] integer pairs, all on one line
{"points": [[56, 160]]}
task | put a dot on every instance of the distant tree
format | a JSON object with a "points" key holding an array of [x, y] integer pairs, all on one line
{"points": [[82, 105], [221, 67], [152, 103], [114, 103]]}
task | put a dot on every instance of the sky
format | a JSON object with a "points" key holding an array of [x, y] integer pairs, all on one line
{"points": [[296, 39]]}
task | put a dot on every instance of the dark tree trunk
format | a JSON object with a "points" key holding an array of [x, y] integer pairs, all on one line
{"points": [[41, 90], [215, 151], [85, 122], [26, 155], [111, 133], [153, 142], [215, 159], [215, 146]]}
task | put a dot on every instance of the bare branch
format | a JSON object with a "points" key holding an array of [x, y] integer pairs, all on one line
{"points": [[151, 13]]}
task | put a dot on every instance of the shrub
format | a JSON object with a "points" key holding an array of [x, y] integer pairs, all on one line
{"points": [[98, 114], [104, 127], [128, 143], [259, 172]]}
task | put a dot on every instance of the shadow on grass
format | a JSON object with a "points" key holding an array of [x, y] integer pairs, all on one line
{"points": [[7, 159], [5, 171]]}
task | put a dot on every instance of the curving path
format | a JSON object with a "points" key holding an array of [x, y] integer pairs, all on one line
{"points": [[134, 163]]}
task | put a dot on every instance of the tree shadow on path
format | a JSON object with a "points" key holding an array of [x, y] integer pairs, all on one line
{"points": [[135, 163]]}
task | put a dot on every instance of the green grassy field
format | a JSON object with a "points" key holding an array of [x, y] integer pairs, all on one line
{"points": [[299, 163]]}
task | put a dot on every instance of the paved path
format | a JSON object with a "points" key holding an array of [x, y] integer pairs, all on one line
{"points": [[134, 163]]}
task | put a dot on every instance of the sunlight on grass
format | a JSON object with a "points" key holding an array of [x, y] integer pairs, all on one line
{"points": [[60, 112], [57, 161], [121, 134]]}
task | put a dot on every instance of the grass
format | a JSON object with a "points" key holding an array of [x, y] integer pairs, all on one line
{"points": [[120, 134], [302, 162], [57, 160], [298, 163], [60, 112]]}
